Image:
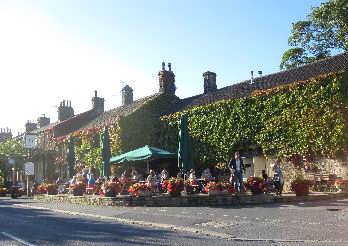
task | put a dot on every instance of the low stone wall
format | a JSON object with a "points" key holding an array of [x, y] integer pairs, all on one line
{"points": [[163, 200]]}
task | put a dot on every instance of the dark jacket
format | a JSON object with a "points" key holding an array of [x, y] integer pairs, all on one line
{"points": [[232, 164]]}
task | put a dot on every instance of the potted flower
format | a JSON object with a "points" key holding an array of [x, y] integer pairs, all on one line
{"points": [[339, 184], [173, 186], [3, 190], [139, 189], [78, 189], [42, 188], [214, 188], [255, 185], [300, 185], [52, 189]]}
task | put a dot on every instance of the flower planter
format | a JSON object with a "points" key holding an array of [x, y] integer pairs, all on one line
{"points": [[175, 193], [214, 192], [143, 193], [52, 192], [301, 189], [77, 192]]}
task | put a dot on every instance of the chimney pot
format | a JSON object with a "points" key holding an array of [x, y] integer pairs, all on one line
{"points": [[169, 66]]}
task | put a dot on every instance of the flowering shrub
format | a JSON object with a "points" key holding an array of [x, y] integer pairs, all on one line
{"points": [[255, 184], [173, 185], [137, 188]]}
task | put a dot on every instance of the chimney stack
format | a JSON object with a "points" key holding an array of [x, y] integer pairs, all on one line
{"points": [[127, 95], [259, 73], [29, 126], [65, 111], [252, 76], [166, 80], [209, 82], [98, 103], [43, 121]]}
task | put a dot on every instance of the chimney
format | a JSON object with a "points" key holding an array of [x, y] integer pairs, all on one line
{"points": [[65, 111], [5, 134], [166, 80], [209, 82], [43, 121], [98, 103], [29, 126], [127, 95], [259, 73], [252, 76]]}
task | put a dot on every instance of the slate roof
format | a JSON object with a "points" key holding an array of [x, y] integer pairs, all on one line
{"points": [[91, 118], [332, 64]]}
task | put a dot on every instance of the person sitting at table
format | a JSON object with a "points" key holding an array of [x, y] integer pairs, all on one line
{"points": [[164, 175], [134, 175], [206, 175], [151, 180], [192, 177]]}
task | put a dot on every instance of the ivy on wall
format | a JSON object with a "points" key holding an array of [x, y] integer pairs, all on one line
{"points": [[300, 118]]}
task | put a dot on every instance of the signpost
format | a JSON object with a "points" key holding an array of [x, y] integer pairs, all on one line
{"points": [[30, 141], [29, 169]]}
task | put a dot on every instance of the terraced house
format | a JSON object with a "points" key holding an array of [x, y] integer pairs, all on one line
{"points": [[299, 114]]}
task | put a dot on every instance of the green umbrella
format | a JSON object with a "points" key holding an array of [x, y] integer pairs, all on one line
{"points": [[106, 152], [185, 162], [141, 154], [70, 158]]}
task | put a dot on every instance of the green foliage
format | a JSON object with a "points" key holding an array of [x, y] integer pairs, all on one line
{"points": [[13, 149], [295, 119], [143, 127], [89, 154], [325, 31]]}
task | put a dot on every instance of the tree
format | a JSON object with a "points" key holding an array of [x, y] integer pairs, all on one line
{"points": [[324, 32], [13, 149]]}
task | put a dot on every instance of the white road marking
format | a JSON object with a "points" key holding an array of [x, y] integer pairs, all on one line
{"points": [[17, 239]]}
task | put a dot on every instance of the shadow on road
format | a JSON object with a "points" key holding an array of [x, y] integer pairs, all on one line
{"points": [[40, 226]]}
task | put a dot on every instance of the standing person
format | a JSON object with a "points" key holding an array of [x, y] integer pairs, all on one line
{"points": [[236, 167], [278, 176]]}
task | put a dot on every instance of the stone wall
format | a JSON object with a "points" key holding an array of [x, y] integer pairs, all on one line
{"points": [[324, 165]]}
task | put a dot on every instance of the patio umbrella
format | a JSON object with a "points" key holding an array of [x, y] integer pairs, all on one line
{"points": [[106, 152], [70, 158], [185, 162]]}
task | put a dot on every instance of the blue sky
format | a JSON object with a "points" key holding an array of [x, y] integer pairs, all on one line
{"points": [[66, 49]]}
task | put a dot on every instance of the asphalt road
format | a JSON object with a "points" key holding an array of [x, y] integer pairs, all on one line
{"points": [[34, 223]]}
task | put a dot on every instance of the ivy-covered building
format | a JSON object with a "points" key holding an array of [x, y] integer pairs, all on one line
{"points": [[301, 112]]}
